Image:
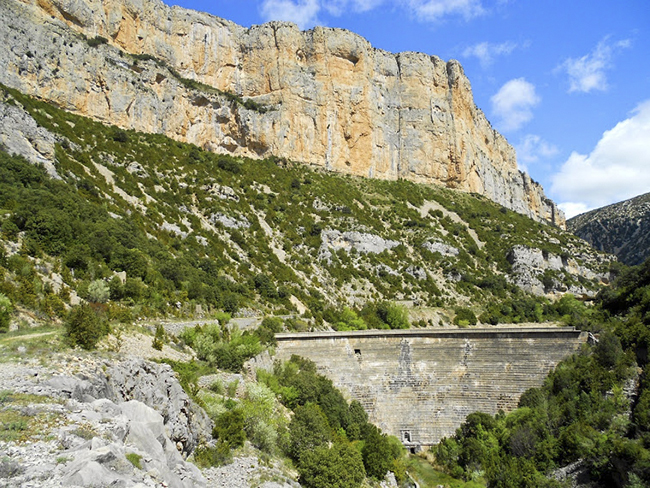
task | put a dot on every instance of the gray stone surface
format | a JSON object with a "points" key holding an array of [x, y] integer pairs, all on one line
{"points": [[529, 264], [441, 247], [20, 134], [333, 240], [425, 382], [230, 222], [89, 444]]}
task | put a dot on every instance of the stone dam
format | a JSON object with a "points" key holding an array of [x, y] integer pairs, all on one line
{"points": [[419, 385]]}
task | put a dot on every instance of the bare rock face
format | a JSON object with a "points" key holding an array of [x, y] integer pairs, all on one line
{"points": [[530, 264], [359, 241], [324, 97], [19, 134]]}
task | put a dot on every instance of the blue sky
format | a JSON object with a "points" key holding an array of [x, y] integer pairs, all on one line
{"points": [[567, 82]]}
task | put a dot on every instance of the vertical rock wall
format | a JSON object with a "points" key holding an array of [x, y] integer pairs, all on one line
{"points": [[420, 385], [332, 99]]}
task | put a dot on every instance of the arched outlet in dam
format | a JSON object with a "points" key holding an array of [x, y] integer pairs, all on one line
{"points": [[419, 385]]}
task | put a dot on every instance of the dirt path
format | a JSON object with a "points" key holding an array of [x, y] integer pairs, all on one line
{"points": [[28, 336]]}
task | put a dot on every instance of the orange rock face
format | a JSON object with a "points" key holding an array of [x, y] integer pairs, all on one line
{"points": [[333, 100]]}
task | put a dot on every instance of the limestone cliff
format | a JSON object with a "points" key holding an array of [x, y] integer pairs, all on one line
{"points": [[328, 97]]}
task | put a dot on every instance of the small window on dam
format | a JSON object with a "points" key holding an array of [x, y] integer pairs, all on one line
{"points": [[406, 436], [357, 353]]}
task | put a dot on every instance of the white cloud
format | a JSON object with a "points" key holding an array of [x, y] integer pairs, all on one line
{"points": [[617, 168], [303, 12], [571, 209], [532, 147], [435, 10], [486, 52], [339, 7], [589, 72], [513, 104]]}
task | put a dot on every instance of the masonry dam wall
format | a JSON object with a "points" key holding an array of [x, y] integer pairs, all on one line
{"points": [[419, 385]]}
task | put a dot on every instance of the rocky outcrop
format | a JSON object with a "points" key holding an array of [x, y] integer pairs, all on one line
{"points": [[622, 229], [125, 424], [153, 384], [20, 134], [333, 240], [324, 97], [441, 247], [156, 385], [531, 269]]}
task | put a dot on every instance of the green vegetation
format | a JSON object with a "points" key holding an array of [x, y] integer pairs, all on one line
{"points": [[17, 425], [321, 417], [191, 228], [221, 346], [422, 471], [323, 467], [85, 326], [5, 312], [96, 41], [582, 412], [134, 459], [159, 338]]}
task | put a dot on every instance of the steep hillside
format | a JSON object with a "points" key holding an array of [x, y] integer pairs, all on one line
{"points": [[324, 97], [622, 229], [171, 228], [588, 425]]}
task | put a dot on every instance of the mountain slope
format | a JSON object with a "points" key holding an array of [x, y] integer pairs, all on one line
{"points": [[324, 97], [622, 229], [169, 226]]}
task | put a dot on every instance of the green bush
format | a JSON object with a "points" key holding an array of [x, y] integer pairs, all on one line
{"points": [[379, 452], [98, 291], [229, 428], [5, 312], [308, 429], [96, 41], [464, 317], [207, 457], [338, 466], [159, 338], [85, 326]]}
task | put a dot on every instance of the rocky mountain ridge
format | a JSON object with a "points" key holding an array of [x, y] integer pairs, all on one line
{"points": [[622, 229], [324, 97]]}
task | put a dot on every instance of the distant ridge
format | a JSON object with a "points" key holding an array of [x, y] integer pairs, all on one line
{"points": [[622, 229]]}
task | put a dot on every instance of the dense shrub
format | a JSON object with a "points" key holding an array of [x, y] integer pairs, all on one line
{"points": [[98, 291], [581, 412], [308, 429], [96, 41], [464, 317], [85, 326], [5, 312], [207, 457], [324, 467], [229, 428]]}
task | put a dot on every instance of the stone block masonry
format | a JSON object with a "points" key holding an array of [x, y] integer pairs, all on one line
{"points": [[419, 385]]}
